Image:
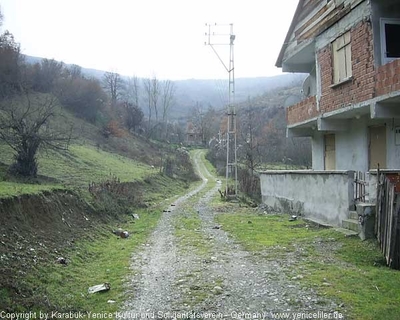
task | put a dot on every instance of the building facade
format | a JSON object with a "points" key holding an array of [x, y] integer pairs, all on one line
{"points": [[351, 105]]}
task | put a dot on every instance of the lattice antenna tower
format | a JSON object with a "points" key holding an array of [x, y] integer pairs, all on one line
{"points": [[231, 130]]}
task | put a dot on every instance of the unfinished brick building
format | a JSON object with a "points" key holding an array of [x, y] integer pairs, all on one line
{"points": [[351, 106], [350, 50]]}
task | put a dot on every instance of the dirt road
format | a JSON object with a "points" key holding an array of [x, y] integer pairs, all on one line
{"points": [[202, 272]]}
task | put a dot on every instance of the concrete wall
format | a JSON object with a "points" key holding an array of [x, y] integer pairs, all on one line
{"points": [[317, 144], [393, 150], [322, 196], [352, 146]]}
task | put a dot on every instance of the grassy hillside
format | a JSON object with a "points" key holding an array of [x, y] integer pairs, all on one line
{"points": [[91, 157], [56, 215], [75, 168]]}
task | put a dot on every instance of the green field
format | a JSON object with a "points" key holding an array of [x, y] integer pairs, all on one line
{"points": [[74, 168]]}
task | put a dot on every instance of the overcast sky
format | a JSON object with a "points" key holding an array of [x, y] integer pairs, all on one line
{"points": [[152, 37]]}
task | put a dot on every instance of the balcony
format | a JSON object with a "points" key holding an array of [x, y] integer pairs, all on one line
{"points": [[302, 112], [388, 78]]}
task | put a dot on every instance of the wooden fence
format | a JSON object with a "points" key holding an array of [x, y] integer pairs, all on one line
{"points": [[360, 184], [387, 223]]}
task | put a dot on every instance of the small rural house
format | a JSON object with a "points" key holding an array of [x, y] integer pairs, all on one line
{"points": [[350, 108], [193, 135]]}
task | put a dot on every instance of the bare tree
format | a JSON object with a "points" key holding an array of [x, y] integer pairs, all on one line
{"points": [[75, 71], [10, 65], [155, 94], [47, 73], [134, 116], [204, 121], [132, 90], [251, 138], [85, 97], [152, 89], [25, 125], [147, 89], [167, 97], [114, 85]]}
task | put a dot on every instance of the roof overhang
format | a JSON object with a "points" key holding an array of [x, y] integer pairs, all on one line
{"points": [[289, 33], [302, 129], [302, 60]]}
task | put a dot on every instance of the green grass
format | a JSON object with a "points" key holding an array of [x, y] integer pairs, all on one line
{"points": [[74, 168], [353, 269], [10, 189], [188, 231], [207, 163], [83, 164], [102, 258], [259, 232]]}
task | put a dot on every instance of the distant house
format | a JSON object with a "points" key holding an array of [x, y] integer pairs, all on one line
{"points": [[193, 135], [350, 50]]}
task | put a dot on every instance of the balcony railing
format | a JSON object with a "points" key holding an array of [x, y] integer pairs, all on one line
{"points": [[388, 78], [302, 111]]}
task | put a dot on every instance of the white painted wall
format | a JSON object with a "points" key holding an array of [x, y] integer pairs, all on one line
{"points": [[317, 145], [352, 146], [320, 196], [393, 151]]}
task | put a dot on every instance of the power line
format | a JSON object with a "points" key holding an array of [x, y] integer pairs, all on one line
{"points": [[231, 130]]}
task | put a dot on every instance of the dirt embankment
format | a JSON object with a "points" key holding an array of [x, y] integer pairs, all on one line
{"points": [[35, 229]]}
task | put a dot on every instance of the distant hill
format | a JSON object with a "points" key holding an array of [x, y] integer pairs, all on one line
{"points": [[211, 92], [215, 92]]}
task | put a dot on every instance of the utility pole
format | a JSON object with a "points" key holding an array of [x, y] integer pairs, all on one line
{"points": [[231, 133]]}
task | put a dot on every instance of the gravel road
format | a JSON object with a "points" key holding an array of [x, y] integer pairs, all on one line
{"points": [[224, 281]]}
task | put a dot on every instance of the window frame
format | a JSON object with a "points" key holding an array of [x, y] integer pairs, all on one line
{"points": [[342, 59], [383, 22]]}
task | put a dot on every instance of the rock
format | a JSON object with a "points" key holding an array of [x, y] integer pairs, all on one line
{"points": [[61, 260], [124, 234], [326, 284], [100, 287], [217, 290]]}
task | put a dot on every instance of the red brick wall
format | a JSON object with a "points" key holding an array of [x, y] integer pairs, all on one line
{"points": [[306, 109], [368, 82], [362, 86], [388, 78]]}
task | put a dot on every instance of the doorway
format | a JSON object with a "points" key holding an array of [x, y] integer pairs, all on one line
{"points": [[377, 147]]}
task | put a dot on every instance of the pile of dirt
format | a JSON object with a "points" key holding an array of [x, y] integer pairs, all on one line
{"points": [[36, 229]]}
